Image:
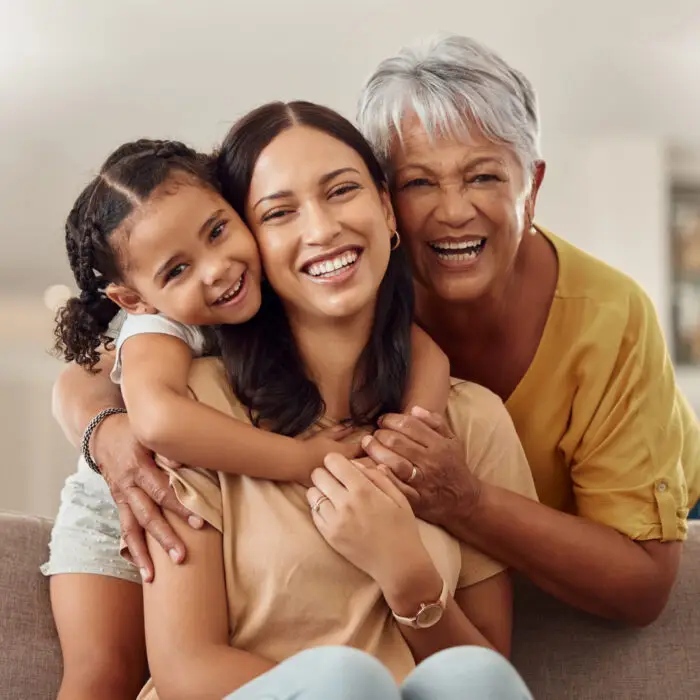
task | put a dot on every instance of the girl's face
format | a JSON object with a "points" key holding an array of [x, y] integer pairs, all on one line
{"points": [[187, 254], [322, 226]]}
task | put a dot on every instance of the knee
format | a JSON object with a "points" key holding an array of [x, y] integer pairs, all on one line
{"points": [[485, 673], [349, 674]]}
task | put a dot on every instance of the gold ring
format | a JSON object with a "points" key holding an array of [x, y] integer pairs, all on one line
{"points": [[414, 474], [315, 507]]}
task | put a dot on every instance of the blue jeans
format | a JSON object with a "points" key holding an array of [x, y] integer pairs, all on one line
{"points": [[344, 673]]}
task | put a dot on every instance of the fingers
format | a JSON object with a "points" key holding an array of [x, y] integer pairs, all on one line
{"points": [[402, 467], [319, 503], [433, 420], [380, 479], [402, 445], [410, 426], [156, 485], [135, 539], [150, 518], [408, 491], [344, 471], [328, 485], [350, 450]]}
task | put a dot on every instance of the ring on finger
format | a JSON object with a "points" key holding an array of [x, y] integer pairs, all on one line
{"points": [[318, 502], [414, 474]]}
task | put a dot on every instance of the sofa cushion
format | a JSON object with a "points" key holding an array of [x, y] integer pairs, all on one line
{"points": [[30, 661], [566, 654]]}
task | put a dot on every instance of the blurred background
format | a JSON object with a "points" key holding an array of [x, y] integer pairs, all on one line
{"points": [[619, 89]]}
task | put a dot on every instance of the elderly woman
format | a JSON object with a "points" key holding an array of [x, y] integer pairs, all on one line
{"points": [[572, 346]]}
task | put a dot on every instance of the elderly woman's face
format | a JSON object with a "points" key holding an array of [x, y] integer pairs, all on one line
{"points": [[461, 210]]}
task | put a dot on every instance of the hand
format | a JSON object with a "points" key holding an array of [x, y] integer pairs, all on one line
{"points": [[443, 484], [365, 518], [140, 491], [325, 442]]}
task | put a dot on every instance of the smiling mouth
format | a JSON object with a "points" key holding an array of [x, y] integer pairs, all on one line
{"points": [[333, 266], [458, 250], [232, 293]]}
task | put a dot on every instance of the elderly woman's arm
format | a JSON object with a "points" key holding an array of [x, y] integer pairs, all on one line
{"points": [[186, 618], [584, 563]]}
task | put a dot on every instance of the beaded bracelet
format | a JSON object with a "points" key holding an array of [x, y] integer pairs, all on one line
{"points": [[85, 444]]}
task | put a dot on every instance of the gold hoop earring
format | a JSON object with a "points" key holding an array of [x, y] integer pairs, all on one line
{"points": [[396, 239]]}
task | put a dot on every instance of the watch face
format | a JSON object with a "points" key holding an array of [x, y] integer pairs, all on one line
{"points": [[429, 615]]}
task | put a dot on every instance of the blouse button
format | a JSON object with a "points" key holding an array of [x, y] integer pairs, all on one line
{"points": [[662, 486]]}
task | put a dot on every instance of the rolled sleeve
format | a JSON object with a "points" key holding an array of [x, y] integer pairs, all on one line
{"points": [[627, 471]]}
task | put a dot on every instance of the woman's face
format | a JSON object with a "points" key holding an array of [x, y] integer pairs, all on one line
{"points": [[462, 207], [322, 227]]}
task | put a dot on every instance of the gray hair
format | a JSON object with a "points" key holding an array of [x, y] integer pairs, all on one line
{"points": [[451, 82]]}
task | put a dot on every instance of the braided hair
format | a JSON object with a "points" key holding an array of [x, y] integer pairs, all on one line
{"points": [[125, 182]]}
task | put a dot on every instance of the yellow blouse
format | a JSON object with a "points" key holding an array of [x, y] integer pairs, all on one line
{"points": [[607, 433]]}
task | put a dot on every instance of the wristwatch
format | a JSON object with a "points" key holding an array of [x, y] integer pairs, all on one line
{"points": [[428, 614]]}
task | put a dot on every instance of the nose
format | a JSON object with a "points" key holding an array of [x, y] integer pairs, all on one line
{"points": [[214, 269], [321, 226], [455, 208]]}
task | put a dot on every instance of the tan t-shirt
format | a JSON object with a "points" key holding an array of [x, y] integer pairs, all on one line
{"points": [[287, 589]]}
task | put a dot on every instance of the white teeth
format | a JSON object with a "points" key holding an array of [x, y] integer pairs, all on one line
{"points": [[458, 250], [326, 267], [231, 293], [458, 245]]}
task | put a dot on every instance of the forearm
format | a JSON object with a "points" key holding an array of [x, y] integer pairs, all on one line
{"points": [[79, 395], [193, 433], [453, 629], [208, 673], [583, 563]]}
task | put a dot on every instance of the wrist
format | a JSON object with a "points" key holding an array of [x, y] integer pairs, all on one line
{"points": [[420, 584], [106, 435]]}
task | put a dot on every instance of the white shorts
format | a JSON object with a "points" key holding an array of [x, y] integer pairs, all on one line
{"points": [[86, 535]]}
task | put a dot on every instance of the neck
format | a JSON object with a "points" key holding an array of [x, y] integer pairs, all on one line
{"points": [[330, 351]]}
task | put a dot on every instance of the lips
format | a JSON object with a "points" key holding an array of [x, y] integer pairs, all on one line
{"points": [[332, 264], [231, 293]]}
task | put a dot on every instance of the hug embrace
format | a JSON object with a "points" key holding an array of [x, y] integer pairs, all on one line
{"points": [[331, 384]]}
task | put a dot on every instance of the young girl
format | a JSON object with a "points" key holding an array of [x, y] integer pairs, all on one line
{"points": [[151, 235]]}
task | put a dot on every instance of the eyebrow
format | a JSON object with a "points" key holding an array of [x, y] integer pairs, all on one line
{"points": [[470, 164], [323, 180], [206, 226]]}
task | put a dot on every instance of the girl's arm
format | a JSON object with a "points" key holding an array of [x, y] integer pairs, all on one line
{"points": [[429, 380], [171, 423], [186, 620]]}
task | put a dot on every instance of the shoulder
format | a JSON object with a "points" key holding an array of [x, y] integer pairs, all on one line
{"points": [[597, 295], [209, 385], [141, 324], [472, 408]]}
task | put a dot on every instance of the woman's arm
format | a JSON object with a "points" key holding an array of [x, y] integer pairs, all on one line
{"points": [[186, 619], [78, 396], [478, 615], [137, 486], [429, 379], [366, 519], [171, 423], [586, 564]]}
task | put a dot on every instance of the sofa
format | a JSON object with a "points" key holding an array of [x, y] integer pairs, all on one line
{"points": [[562, 654]]}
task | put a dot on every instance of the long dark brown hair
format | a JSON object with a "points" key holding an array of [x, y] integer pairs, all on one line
{"points": [[260, 356]]}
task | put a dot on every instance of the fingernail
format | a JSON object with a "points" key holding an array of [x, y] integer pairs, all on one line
{"points": [[145, 577], [175, 555], [419, 411], [196, 522], [366, 440]]}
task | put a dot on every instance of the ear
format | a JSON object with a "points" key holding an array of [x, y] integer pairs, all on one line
{"points": [[388, 210], [538, 171], [129, 300]]}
